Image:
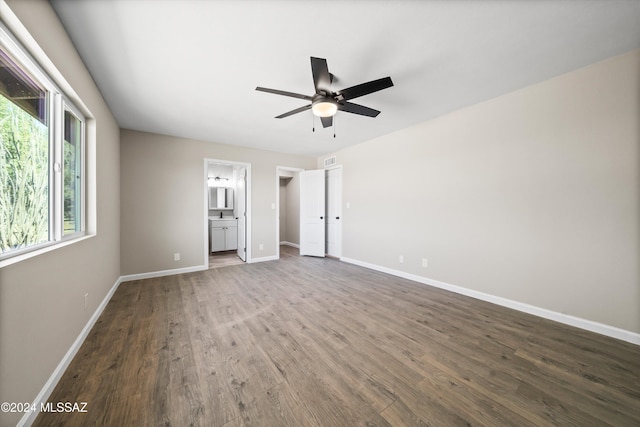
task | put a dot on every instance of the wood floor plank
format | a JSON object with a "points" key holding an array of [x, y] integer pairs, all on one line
{"points": [[316, 342]]}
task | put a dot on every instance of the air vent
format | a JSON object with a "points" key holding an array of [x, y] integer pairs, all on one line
{"points": [[330, 161]]}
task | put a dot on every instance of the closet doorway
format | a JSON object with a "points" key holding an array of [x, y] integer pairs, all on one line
{"points": [[309, 210], [287, 207]]}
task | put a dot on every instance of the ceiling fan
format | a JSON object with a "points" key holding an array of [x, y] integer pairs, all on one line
{"points": [[325, 103]]}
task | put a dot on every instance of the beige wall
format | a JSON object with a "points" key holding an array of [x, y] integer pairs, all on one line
{"points": [[42, 298], [533, 196], [162, 187], [293, 209]]}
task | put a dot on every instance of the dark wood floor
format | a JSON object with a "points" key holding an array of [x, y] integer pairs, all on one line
{"points": [[316, 342]]}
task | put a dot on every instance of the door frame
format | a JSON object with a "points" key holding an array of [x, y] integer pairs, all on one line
{"points": [[278, 169], [339, 202], [206, 206]]}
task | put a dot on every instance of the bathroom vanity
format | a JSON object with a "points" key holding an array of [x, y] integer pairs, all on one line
{"points": [[223, 234]]}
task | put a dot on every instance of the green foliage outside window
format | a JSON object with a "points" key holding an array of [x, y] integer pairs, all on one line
{"points": [[24, 178], [72, 173]]}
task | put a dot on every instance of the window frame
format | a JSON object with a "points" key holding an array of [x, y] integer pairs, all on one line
{"points": [[57, 103], [67, 105]]}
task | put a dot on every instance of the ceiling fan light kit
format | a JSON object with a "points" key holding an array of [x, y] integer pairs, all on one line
{"points": [[324, 108], [325, 103]]}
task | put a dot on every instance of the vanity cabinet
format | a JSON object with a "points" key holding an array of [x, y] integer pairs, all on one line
{"points": [[223, 234]]}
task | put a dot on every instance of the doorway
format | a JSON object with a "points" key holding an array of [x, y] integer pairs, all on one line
{"points": [[333, 223], [287, 207], [227, 213], [317, 205]]}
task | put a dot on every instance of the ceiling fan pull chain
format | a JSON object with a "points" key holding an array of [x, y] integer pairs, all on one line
{"points": [[334, 126], [313, 122]]}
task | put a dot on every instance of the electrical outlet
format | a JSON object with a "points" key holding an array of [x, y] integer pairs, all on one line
{"points": [[261, 247], [401, 259], [425, 263], [86, 300], [176, 256]]}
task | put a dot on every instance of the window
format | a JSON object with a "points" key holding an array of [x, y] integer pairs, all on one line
{"points": [[41, 156], [73, 131]]}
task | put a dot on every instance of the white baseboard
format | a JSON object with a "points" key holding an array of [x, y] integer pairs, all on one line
{"points": [[295, 245], [45, 392], [162, 273], [51, 383], [589, 325], [578, 322], [263, 259]]}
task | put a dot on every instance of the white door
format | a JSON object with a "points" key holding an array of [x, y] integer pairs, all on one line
{"points": [[312, 212], [334, 212], [241, 212]]}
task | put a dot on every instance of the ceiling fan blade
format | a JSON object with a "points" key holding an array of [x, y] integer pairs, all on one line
{"points": [[326, 121], [292, 112], [364, 88], [321, 76], [350, 107], [284, 93]]}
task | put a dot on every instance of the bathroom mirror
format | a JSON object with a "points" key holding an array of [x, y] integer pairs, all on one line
{"points": [[220, 198]]}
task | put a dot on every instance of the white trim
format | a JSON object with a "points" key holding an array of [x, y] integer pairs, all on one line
{"points": [[22, 35], [589, 325], [335, 167], [24, 49], [29, 417], [51, 246], [263, 259], [295, 245], [247, 207], [162, 273]]}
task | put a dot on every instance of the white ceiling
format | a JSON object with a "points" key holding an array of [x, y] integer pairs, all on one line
{"points": [[190, 67]]}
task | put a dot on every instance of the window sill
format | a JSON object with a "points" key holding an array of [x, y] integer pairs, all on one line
{"points": [[26, 255]]}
